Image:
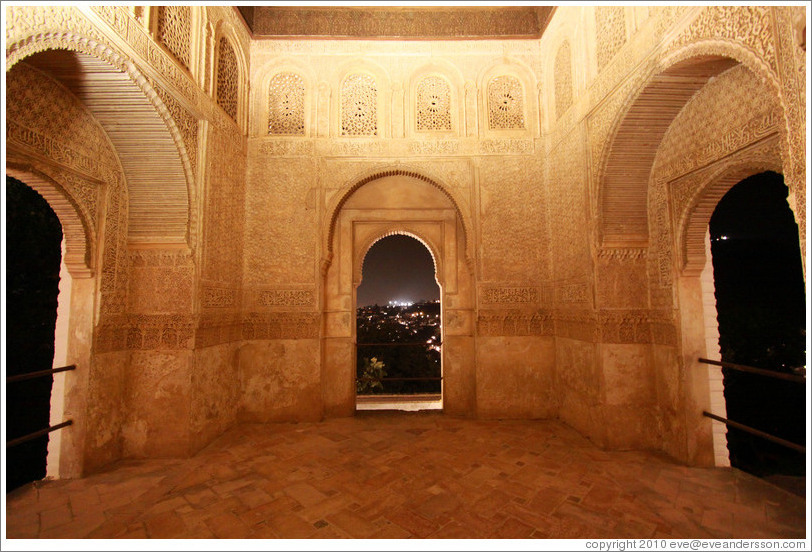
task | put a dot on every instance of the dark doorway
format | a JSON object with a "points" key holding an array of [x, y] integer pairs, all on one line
{"points": [[33, 257], [760, 301], [398, 323]]}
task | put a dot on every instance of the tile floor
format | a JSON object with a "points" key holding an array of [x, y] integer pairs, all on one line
{"points": [[402, 475]]}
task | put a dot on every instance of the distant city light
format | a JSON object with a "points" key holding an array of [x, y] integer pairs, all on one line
{"points": [[400, 303], [721, 238]]}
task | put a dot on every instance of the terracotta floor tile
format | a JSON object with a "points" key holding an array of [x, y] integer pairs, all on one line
{"points": [[384, 475], [165, 526], [228, 526], [351, 523], [291, 526], [414, 523], [54, 517]]}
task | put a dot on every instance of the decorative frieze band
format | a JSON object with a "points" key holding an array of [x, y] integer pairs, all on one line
{"points": [[503, 295], [146, 332], [218, 297], [572, 293], [357, 148], [282, 298], [434, 147], [509, 146], [755, 129], [139, 258], [286, 148], [506, 323], [60, 153], [281, 325]]}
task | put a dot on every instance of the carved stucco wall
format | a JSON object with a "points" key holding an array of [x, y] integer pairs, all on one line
{"points": [[214, 321]]}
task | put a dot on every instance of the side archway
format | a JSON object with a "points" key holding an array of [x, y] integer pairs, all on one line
{"points": [[625, 166], [79, 239], [96, 73]]}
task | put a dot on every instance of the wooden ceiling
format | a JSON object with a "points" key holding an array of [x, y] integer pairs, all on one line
{"points": [[397, 23]]}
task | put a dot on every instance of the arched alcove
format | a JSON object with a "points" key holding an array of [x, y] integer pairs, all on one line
{"points": [[396, 203]]}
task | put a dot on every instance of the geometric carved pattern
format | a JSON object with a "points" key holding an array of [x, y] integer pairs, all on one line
{"points": [[510, 295], [286, 298], [433, 104], [563, 79], [512, 323], [227, 78], [175, 31], [610, 30], [505, 103], [286, 104], [359, 105]]}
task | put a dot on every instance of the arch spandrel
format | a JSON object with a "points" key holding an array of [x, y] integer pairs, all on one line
{"points": [[339, 199], [693, 222]]}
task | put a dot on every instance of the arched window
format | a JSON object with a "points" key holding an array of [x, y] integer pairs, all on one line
{"points": [[563, 79], [433, 101], [286, 96], [175, 31], [505, 103], [227, 78], [359, 105]]}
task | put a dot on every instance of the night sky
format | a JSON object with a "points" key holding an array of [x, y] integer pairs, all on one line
{"points": [[397, 268]]}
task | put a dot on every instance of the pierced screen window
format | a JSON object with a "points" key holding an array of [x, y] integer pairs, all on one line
{"points": [[227, 78], [433, 104], [359, 105], [286, 104], [505, 103], [175, 31]]}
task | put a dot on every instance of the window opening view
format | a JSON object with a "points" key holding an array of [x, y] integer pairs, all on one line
{"points": [[760, 302], [398, 328]]}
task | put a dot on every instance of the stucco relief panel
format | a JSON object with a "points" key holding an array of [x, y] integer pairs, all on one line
{"points": [[224, 208], [511, 211], [568, 212], [731, 111], [281, 223]]}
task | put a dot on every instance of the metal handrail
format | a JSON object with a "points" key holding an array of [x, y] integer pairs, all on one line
{"points": [[399, 379], [36, 434], [39, 374], [397, 344], [757, 432], [758, 371]]}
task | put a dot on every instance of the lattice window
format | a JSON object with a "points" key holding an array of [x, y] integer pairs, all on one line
{"points": [[610, 23], [359, 105], [433, 104], [505, 103], [563, 79], [175, 31], [286, 104], [227, 78]]}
